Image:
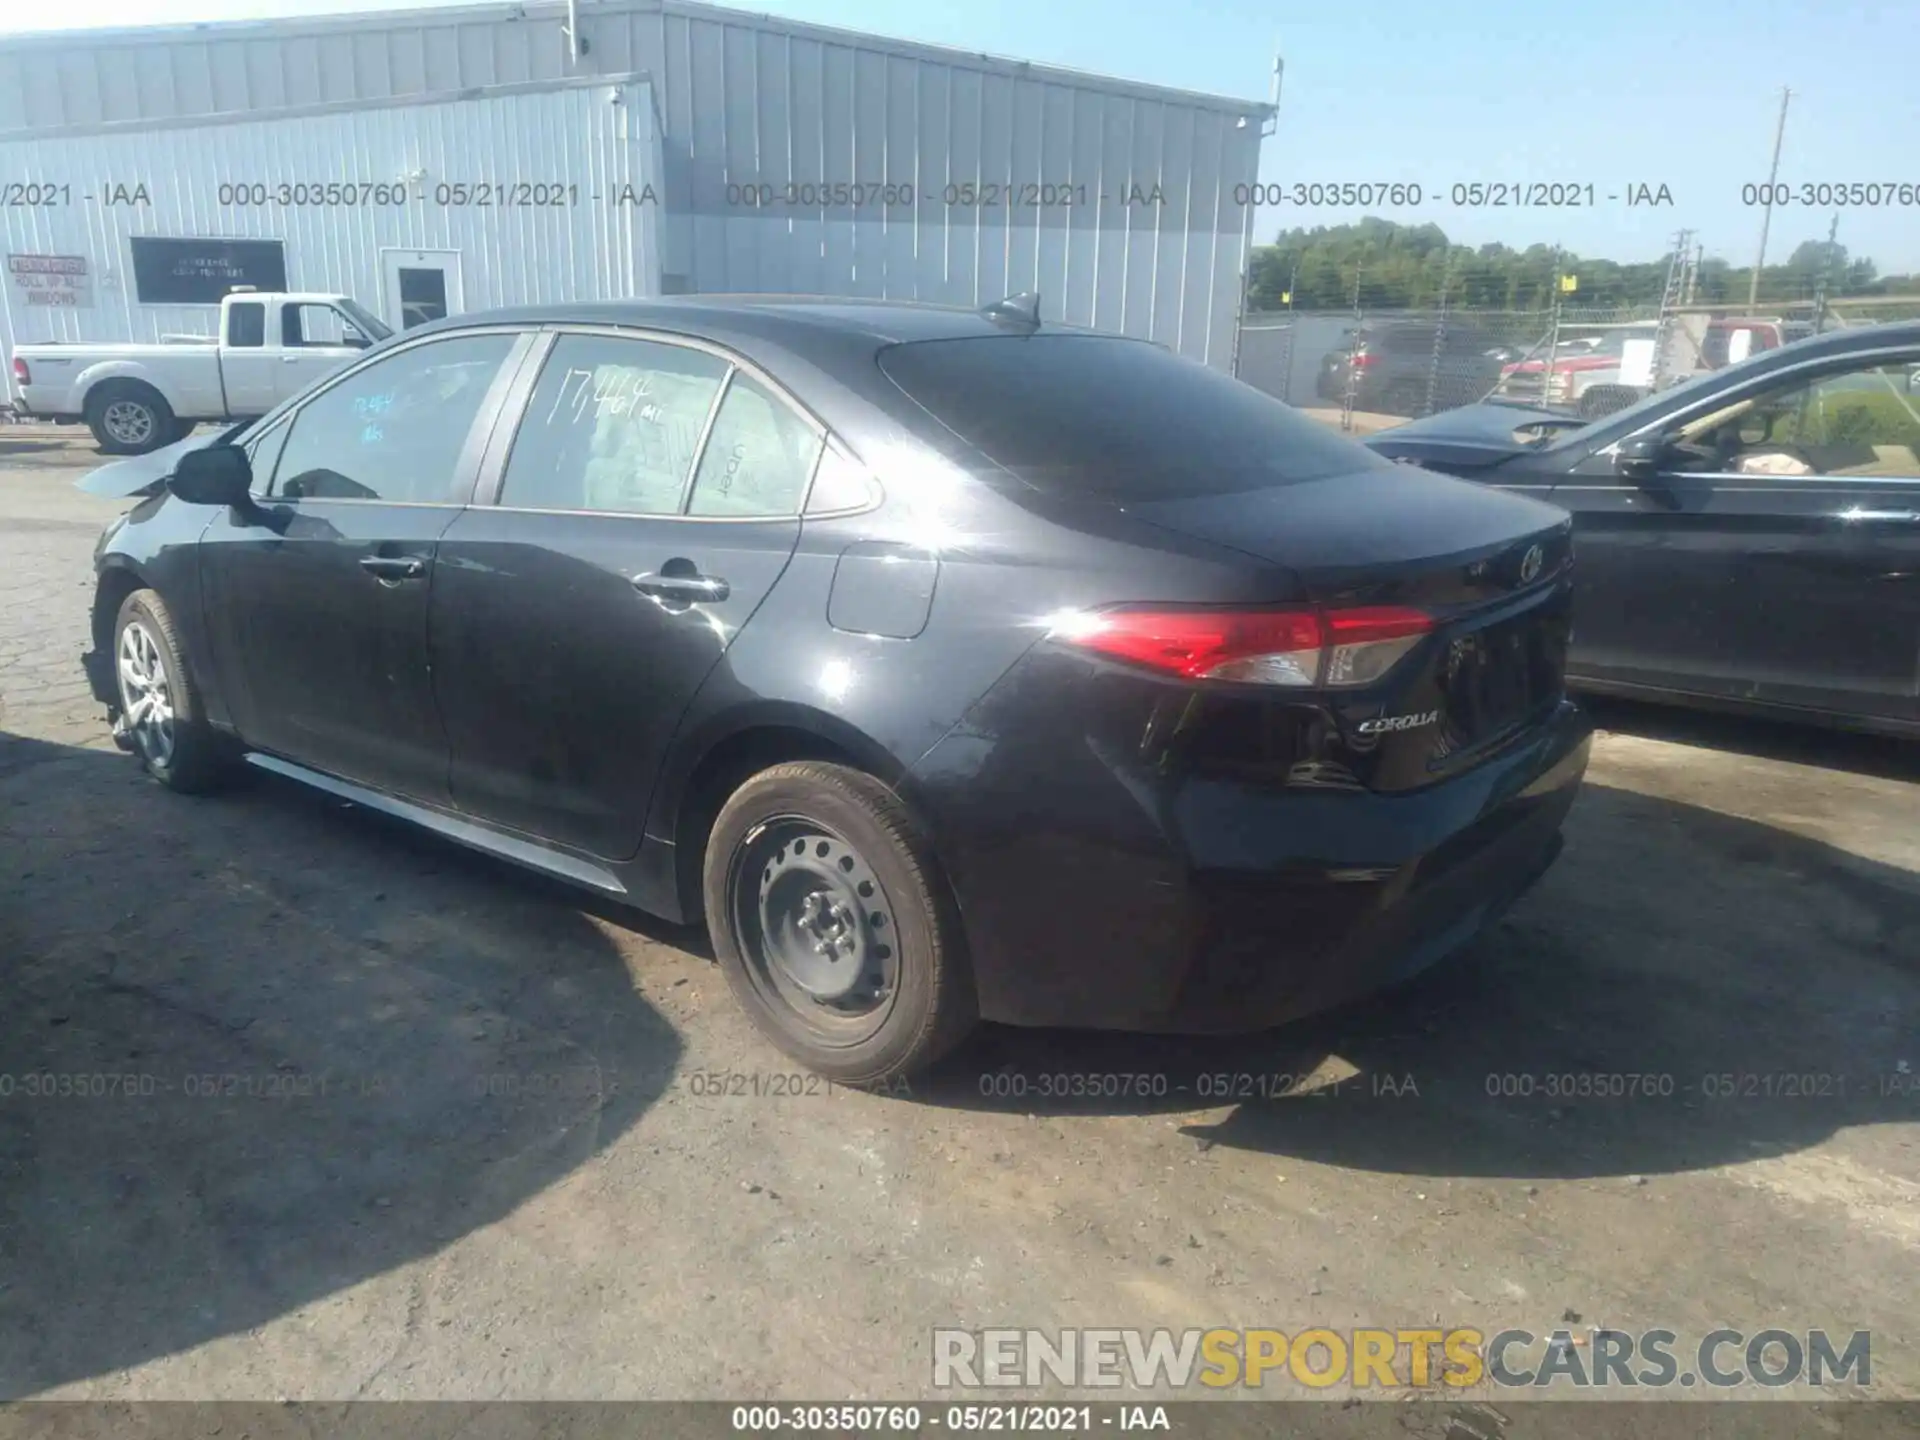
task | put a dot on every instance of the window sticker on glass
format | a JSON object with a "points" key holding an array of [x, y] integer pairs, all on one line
{"points": [[758, 456], [368, 409], [394, 430], [613, 425], [604, 390]]}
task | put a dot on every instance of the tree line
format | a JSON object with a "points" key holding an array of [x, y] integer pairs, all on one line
{"points": [[1410, 266]]}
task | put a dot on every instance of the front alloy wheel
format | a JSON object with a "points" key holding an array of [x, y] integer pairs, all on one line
{"points": [[159, 715], [146, 695]]}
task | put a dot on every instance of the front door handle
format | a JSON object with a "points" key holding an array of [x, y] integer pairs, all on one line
{"points": [[682, 589], [393, 568]]}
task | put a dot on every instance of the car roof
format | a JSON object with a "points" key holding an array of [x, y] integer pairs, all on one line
{"points": [[821, 349], [795, 322]]}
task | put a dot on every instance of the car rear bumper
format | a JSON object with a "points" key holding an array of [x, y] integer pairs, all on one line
{"points": [[1237, 907]]}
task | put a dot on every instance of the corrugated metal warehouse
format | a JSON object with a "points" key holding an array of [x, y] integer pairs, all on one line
{"points": [[467, 158]]}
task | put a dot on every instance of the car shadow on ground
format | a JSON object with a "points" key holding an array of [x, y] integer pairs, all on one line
{"points": [[1882, 756], [255, 1050], [24, 449], [1684, 990]]}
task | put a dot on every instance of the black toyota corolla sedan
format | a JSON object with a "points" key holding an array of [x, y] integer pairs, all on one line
{"points": [[947, 664], [1749, 540]]}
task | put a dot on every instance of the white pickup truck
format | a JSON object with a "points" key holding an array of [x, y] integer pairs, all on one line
{"points": [[137, 398]]}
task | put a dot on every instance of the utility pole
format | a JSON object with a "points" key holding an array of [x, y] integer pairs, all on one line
{"points": [[1350, 395], [1826, 277], [1439, 339], [1677, 265], [1268, 124], [1766, 213], [1553, 342]]}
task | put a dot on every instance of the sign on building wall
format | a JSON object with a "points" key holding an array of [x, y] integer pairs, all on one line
{"points": [[61, 280], [202, 272]]}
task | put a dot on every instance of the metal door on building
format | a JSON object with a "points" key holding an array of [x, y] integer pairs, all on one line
{"points": [[419, 285]]}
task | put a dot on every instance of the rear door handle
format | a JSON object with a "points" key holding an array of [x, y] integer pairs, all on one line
{"points": [[686, 589], [393, 567]]}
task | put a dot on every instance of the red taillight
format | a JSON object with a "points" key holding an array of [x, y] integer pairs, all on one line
{"points": [[1360, 360], [20, 372], [1306, 648]]}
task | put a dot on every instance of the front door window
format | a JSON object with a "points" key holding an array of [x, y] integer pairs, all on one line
{"points": [[394, 430], [1863, 422]]}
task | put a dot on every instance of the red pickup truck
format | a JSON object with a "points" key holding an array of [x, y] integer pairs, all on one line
{"points": [[1585, 374]]}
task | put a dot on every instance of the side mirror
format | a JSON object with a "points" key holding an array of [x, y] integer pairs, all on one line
{"points": [[1639, 458], [217, 475]]}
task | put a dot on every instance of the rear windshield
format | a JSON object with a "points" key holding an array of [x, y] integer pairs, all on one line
{"points": [[1115, 419]]}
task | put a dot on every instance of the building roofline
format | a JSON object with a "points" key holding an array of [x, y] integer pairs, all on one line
{"points": [[534, 11], [200, 121]]}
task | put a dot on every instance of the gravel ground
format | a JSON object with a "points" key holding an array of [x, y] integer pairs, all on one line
{"points": [[400, 1122]]}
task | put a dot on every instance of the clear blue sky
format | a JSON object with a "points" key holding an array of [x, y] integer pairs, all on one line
{"points": [[1676, 92]]}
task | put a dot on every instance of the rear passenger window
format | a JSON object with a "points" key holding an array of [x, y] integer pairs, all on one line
{"points": [[246, 326], [613, 425], [758, 457]]}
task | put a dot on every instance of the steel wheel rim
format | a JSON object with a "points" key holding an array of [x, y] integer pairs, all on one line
{"points": [[128, 421], [146, 695], [816, 929]]}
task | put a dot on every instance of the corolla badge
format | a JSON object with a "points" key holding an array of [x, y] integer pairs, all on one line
{"points": [[1530, 564], [1386, 724]]}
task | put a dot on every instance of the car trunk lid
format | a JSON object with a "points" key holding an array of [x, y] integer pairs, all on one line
{"points": [[1491, 568]]}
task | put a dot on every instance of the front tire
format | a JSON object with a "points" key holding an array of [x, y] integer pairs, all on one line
{"points": [[831, 919], [128, 418], [161, 719]]}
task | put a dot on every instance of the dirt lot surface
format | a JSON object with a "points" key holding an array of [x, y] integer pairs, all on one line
{"points": [[394, 1121]]}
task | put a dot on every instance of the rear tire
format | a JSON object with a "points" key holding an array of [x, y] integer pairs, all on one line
{"points": [[161, 720], [831, 919], [129, 418]]}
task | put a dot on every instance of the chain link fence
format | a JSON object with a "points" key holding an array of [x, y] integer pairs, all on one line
{"points": [[1376, 368]]}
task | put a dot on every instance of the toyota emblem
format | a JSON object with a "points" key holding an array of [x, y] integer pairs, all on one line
{"points": [[1530, 564]]}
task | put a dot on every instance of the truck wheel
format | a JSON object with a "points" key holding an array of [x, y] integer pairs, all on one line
{"points": [[160, 716], [128, 418], [833, 924]]}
